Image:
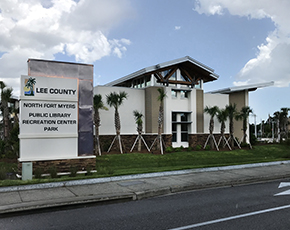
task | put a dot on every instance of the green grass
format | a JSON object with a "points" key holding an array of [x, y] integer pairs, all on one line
{"points": [[135, 163]]}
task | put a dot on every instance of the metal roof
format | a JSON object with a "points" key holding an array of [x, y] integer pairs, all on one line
{"points": [[189, 62], [235, 89]]}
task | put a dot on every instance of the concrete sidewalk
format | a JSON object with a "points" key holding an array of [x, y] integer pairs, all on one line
{"points": [[134, 187]]}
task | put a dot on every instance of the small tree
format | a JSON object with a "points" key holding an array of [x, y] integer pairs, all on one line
{"points": [[232, 113], [212, 111], [160, 98], [244, 115], [98, 104], [139, 122], [116, 100], [222, 116]]}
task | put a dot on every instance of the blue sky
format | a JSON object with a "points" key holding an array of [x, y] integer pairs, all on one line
{"points": [[244, 41]]}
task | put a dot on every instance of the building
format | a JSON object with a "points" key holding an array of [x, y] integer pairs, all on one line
{"points": [[185, 123]]}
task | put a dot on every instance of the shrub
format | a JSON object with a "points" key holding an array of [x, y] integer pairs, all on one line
{"points": [[253, 139], [3, 173], [53, 172], [244, 144], [73, 171], [38, 173], [89, 170], [179, 149], [207, 147], [198, 147], [169, 149], [287, 142]]}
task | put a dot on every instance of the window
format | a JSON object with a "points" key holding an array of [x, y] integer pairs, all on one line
{"points": [[180, 126], [174, 132], [173, 94], [183, 94], [174, 116], [184, 132], [173, 77], [183, 117]]}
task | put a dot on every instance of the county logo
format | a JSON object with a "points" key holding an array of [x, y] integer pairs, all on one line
{"points": [[29, 86]]}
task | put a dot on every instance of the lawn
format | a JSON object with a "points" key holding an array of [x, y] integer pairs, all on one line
{"points": [[135, 163]]}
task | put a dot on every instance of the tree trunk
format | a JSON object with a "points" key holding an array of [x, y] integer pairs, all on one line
{"points": [[223, 126], [139, 130], [118, 129], [97, 135], [211, 127], [232, 143], [117, 122], [160, 123]]}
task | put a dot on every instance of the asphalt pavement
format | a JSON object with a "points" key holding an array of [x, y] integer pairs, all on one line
{"points": [[15, 199]]}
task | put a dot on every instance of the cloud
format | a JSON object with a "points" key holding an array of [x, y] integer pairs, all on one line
{"points": [[43, 28], [272, 60], [177, 27]]}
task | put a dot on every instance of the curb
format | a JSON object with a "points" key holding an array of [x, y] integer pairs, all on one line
{"points": [[30, 206]]}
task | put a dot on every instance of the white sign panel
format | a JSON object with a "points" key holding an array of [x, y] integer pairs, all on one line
{"points": [[48, 118], [46, 88]]}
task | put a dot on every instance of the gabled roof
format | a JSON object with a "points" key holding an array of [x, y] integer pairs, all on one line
{"points": [[192, 66], [235, 89]]}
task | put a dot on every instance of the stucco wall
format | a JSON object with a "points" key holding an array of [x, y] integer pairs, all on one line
{"points": [[135, 101], [240, 99], [151, 109], [219, 100], [199, 111]]}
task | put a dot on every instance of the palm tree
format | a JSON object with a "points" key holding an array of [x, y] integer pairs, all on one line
{"points": [[139, 122], [15, 113], [222, 116], [281, 118], [212, 111], [244, 115], [116, 100], [284, 120], [29, 84], [98, 104], [160, 98], [6, 94], [277, 116], [232, 112]]}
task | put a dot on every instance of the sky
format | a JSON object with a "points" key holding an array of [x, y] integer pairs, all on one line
{"points": [[244, 41]]}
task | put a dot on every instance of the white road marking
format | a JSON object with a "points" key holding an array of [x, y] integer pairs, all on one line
{"points": [[231, 218], [282, 185]]}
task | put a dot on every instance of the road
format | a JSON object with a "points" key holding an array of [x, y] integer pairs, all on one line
{"points": [[246, 207]]}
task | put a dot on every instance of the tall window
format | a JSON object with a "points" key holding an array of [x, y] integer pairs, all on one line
{"points": [[180, 126]]}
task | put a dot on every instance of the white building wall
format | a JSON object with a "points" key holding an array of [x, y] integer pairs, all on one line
{"points": [[135, 101], [179, 105], [219, 100]]}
